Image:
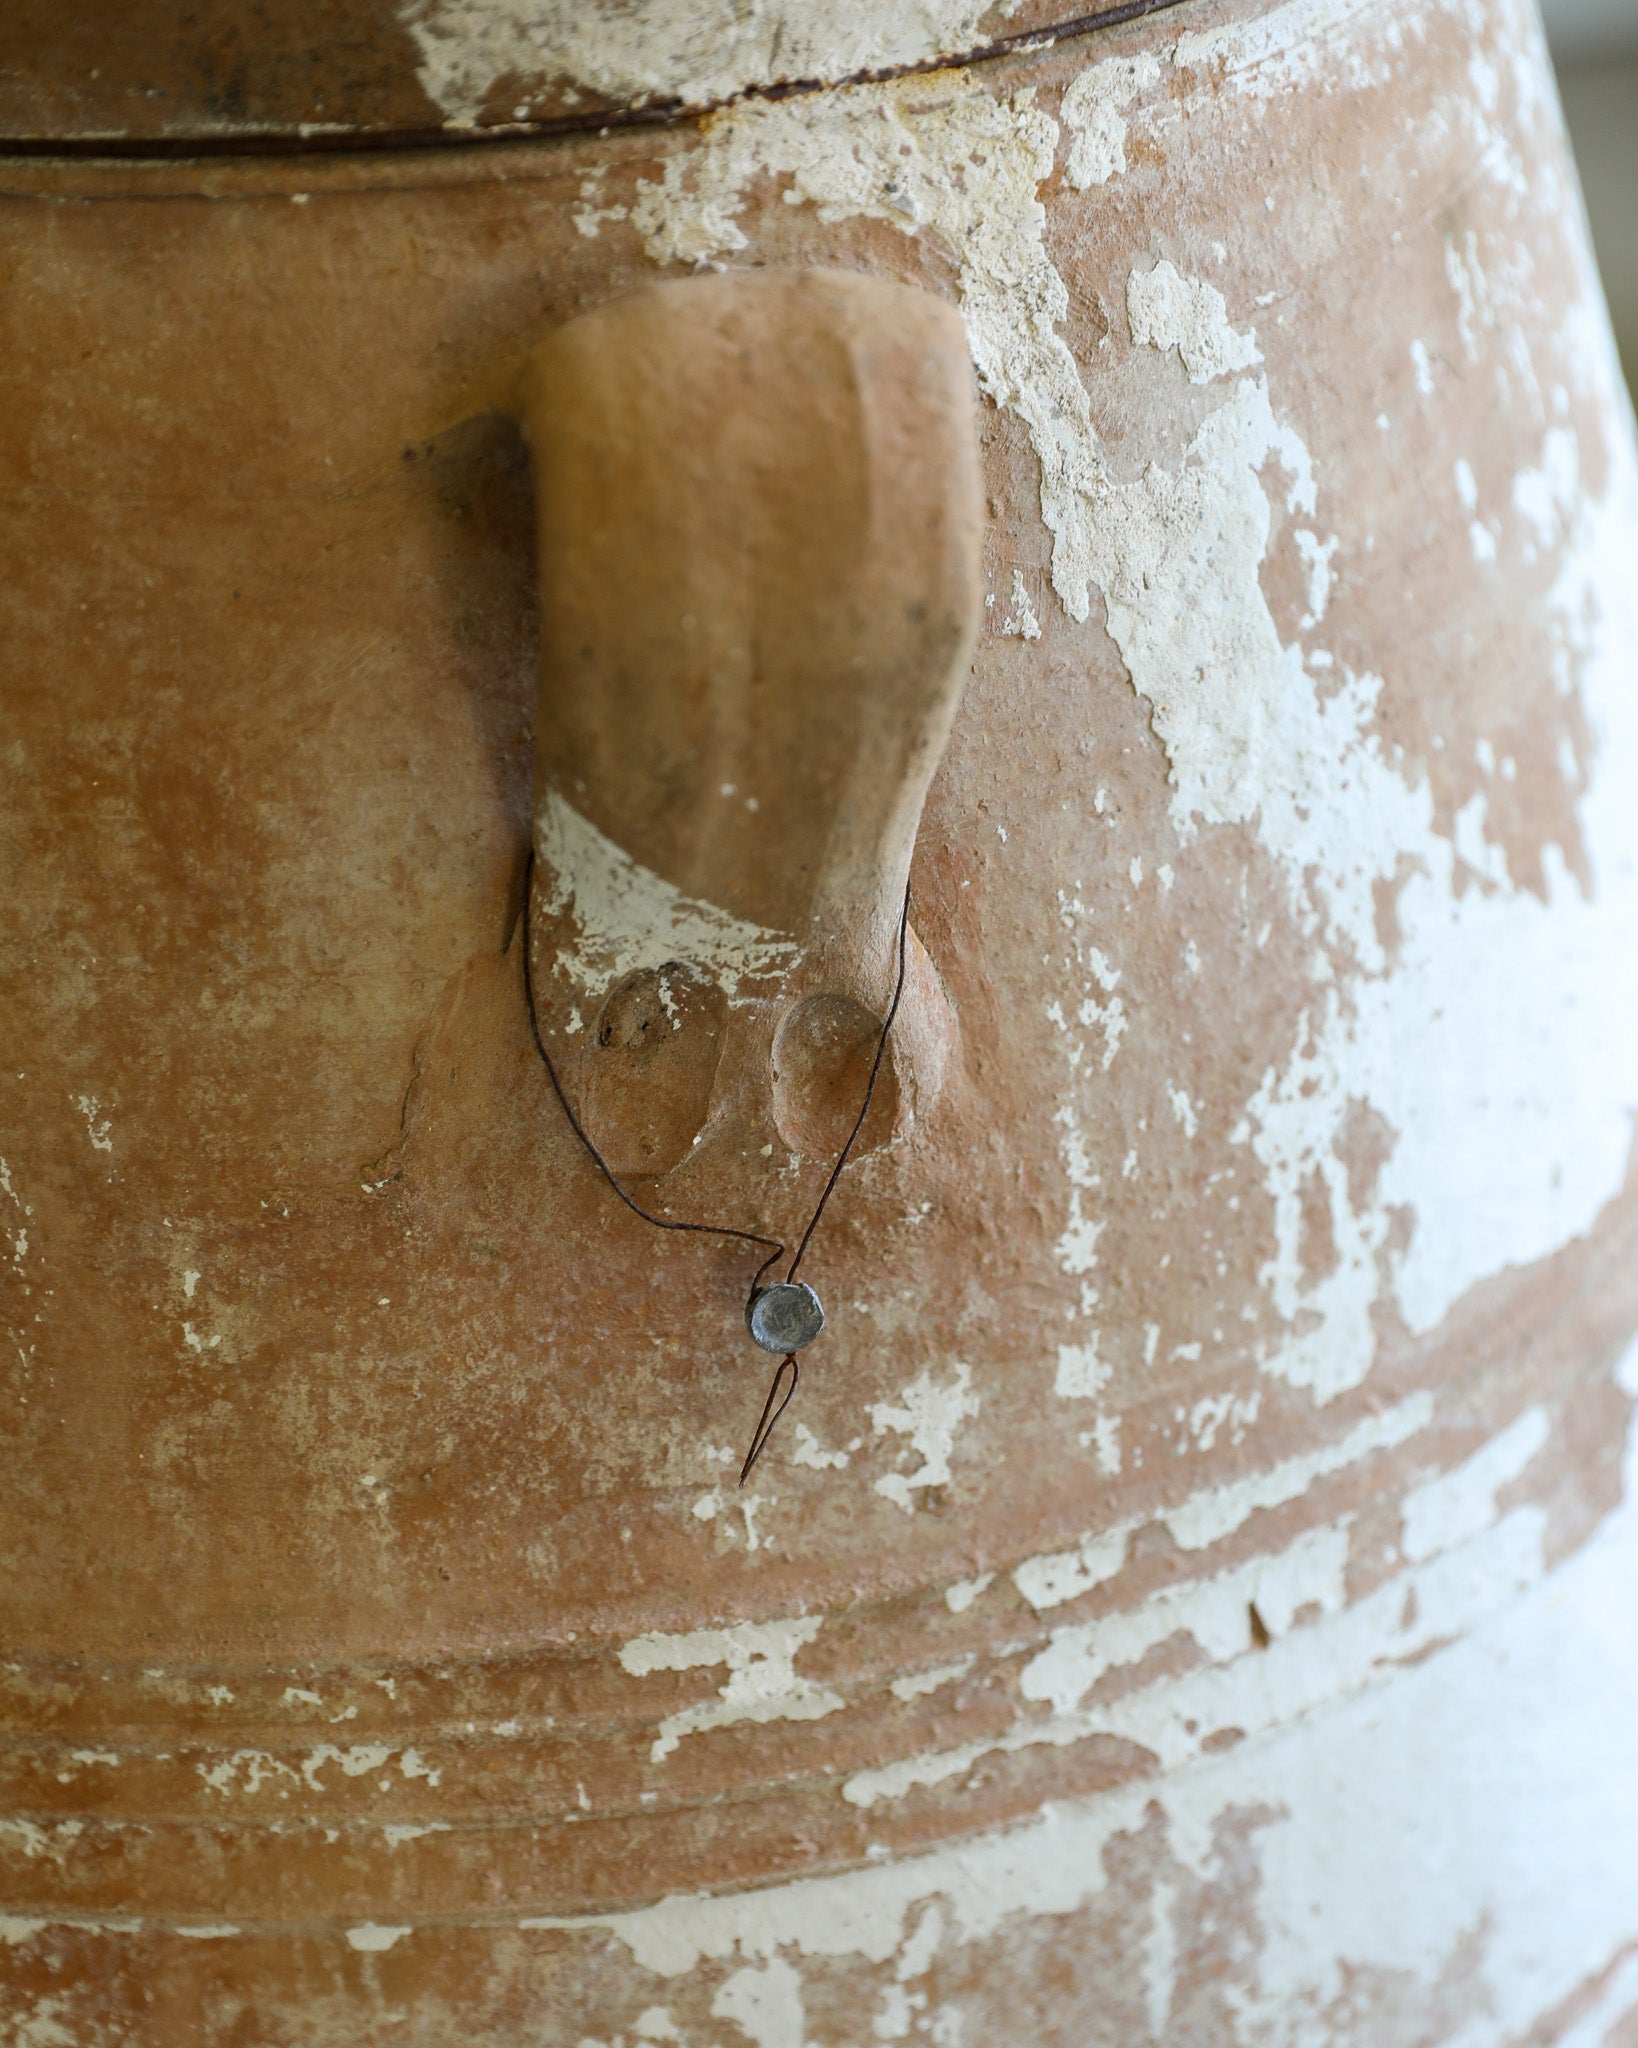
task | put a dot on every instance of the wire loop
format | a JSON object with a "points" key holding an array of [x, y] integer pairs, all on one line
{"points": [[774, 1246]]}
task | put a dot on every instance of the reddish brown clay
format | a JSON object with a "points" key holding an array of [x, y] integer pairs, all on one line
{"points": [[1188, 1603]]}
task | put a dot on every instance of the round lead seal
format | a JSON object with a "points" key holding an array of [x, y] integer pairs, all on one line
{"points": [[784, 1317]]}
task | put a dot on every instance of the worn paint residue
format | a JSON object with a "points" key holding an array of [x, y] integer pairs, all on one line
{"points": [[1533, 1689], [626, 916], [762, 1683], [698, 51], [1277, 736], [929, 1415]]}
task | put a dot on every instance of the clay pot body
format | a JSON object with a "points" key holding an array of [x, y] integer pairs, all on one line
{"points": [[1188, 1600]]}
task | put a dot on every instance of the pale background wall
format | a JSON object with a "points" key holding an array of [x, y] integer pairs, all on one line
{"points": [[1595, 50]]}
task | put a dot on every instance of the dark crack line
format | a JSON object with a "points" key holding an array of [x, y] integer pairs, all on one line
{"points": [[271, 142]]}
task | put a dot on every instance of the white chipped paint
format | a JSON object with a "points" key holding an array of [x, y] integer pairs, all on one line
{"points": [[626, 916], [1316, 556], [1077, 1252], [1504, 996], [1166, 310], [1545, 494], [1285, 47], [97, 1127], [52, 1840], [762, 1683], [16, 1234], [1215, 1613], [1259, 1666], [1354, 1864], [41, 2026], [806, 1449], [765, 2004], [1160, 1959], [929, 1415], [1208, 1517], [1104, 1438], [1242, 1685], [248, 1770], [1065, 1574], [959, 1597], [1448, 1510], [1021, 622], [698, 51], [916, 1683], [221, 1930], [371, 1938], [1348, 1760], [1081, 1374], [1094, 111], [15, 1929], [396, 1833]]}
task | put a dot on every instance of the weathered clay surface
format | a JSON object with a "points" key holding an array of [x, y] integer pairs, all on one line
{"points": [[1193, 1604], [155, 76], [759, 530]]}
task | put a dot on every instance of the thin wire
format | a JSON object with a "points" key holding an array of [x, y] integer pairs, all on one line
{"points": [[765, 1426], [776, 1246], [864, 1107]]}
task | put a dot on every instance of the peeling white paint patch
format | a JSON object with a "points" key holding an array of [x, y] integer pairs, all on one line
{"points": [[1316, 560], [14, 1929], [41, 2026], [369, 1938], [1286, 47], [1545, 496], [248, 1770], [1472, 289], [1081, 1375], [959, 1597], [1493, 997], [97, 1126], [1183, 1109], [396, 1833], [52, 1841], [1160, 1959], [699, 51], [1021, 622], [628, 918], [1066, 1574], [765, 2004], [1077, 1248], [1355, 1865], [1245, 1686], [930, 1416], [762, 1683], [1460, 1504], [220, 1931], [1094, 111], [1215, 1612], [1206, 1518], [1165, 310], [806, 1450], [917, 1683]]}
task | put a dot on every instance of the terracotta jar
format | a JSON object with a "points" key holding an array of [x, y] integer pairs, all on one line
{"points": [[1161, 491]]}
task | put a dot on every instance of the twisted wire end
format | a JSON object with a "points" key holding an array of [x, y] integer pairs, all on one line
{"points": [[771, 1413]]}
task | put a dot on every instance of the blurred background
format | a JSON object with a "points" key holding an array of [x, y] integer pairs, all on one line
{"points": [[1595, 51]]}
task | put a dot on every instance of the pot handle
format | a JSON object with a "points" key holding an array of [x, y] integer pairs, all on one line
{"points": [[759, 530]]}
